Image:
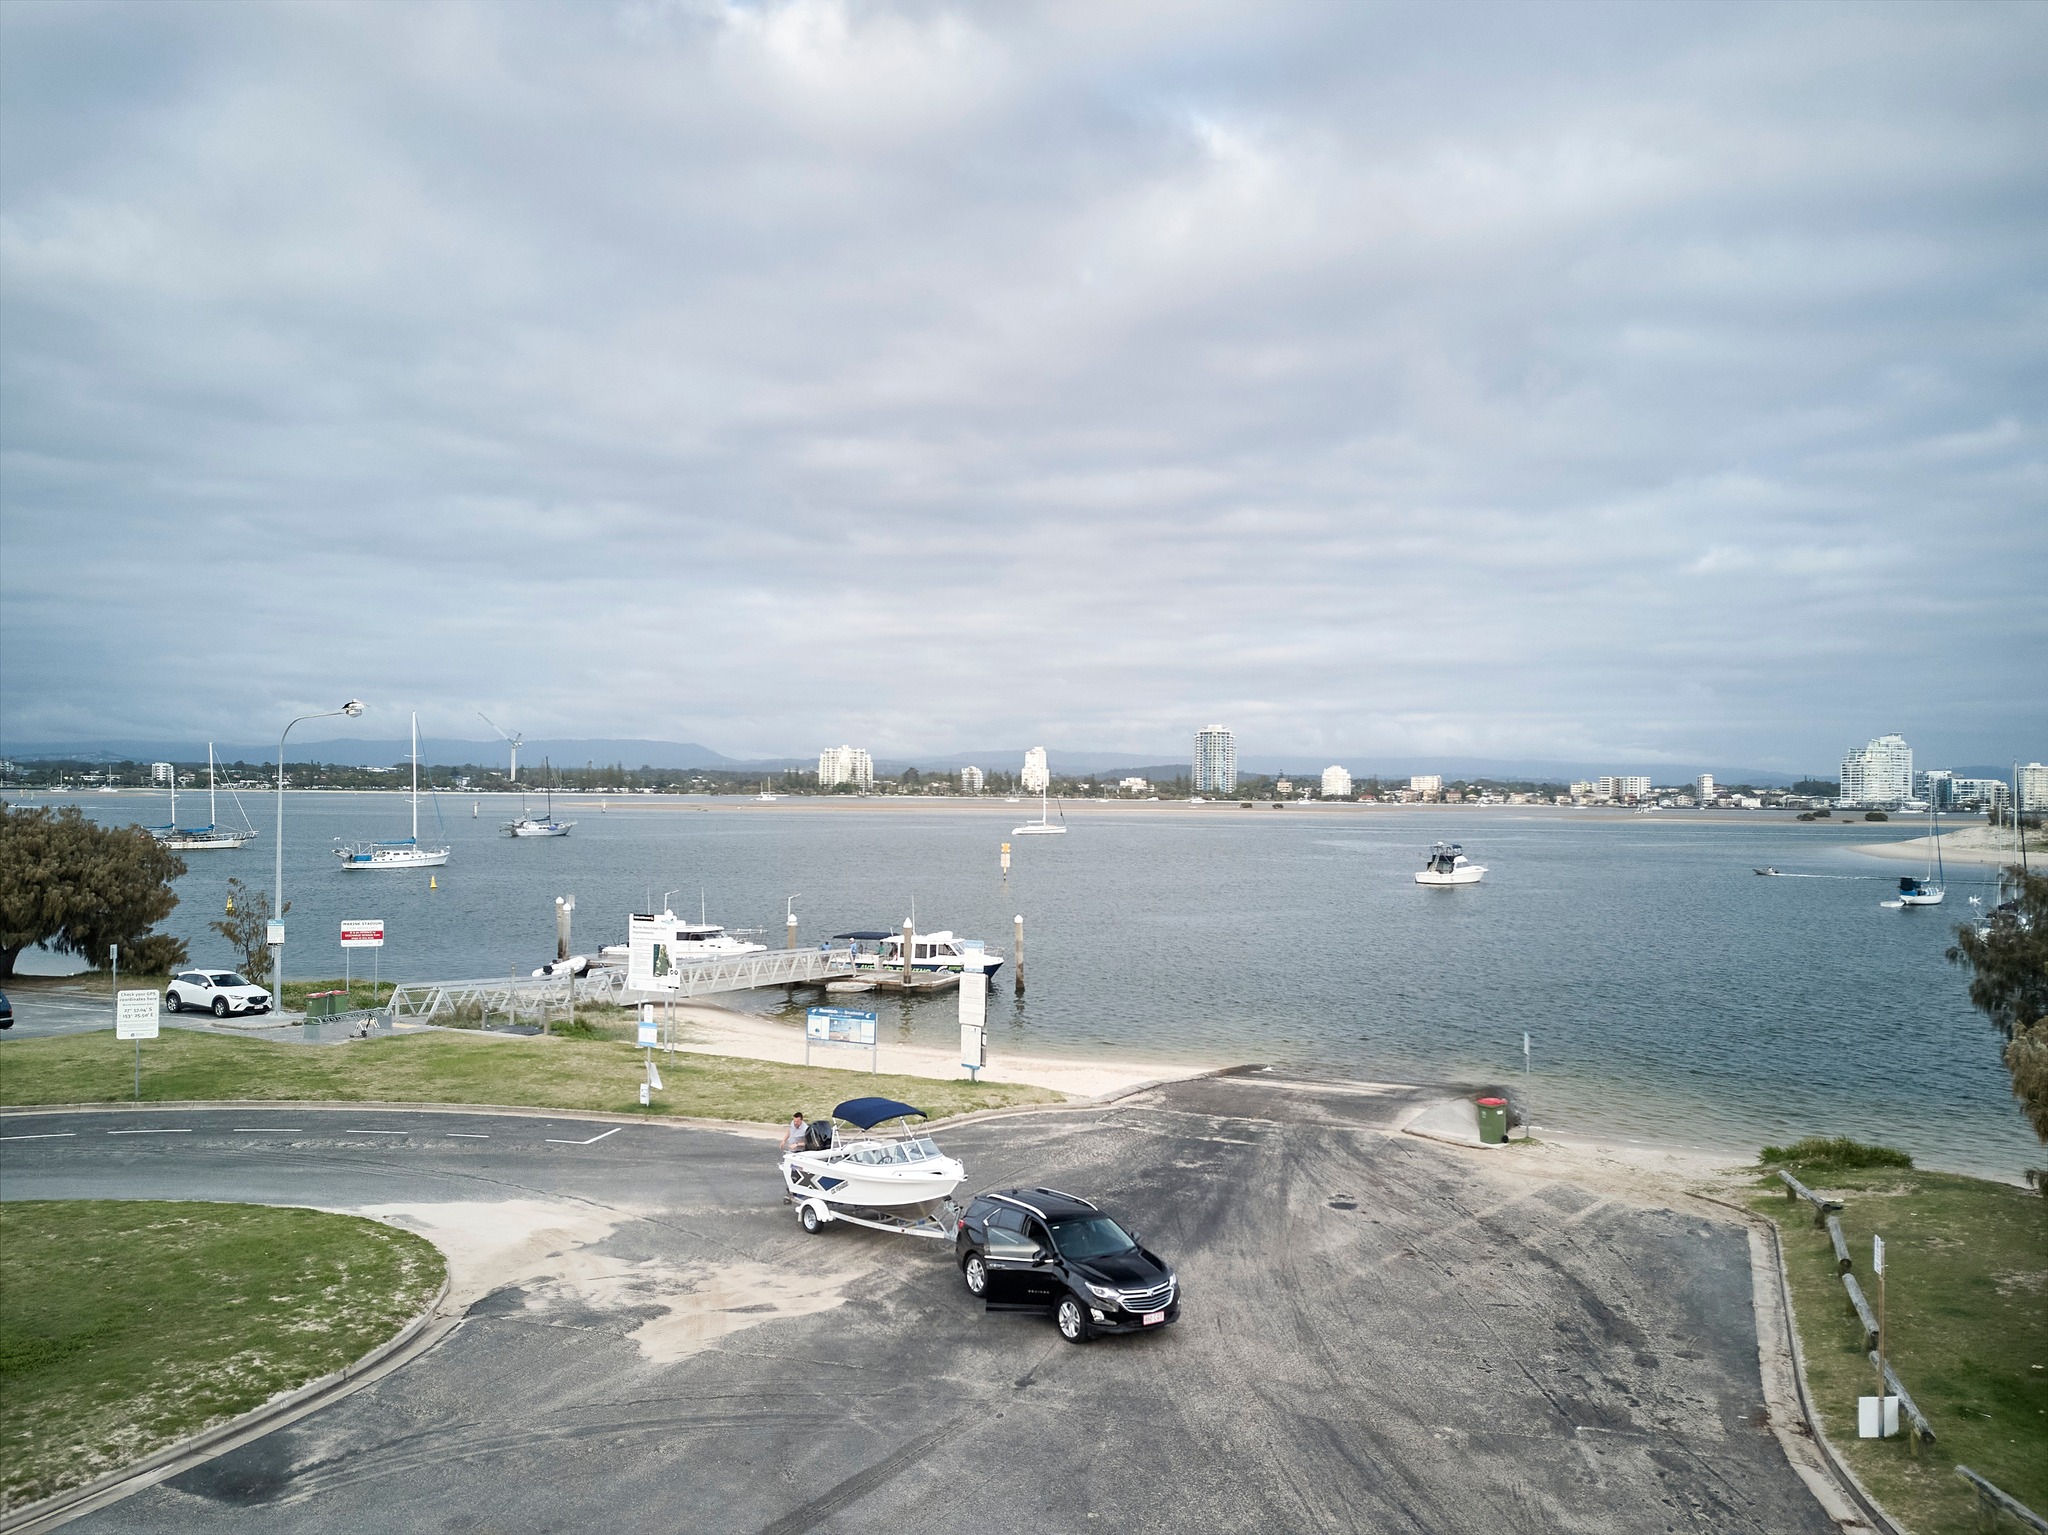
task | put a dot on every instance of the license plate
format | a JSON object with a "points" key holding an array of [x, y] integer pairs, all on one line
{"points": [[1153, 1319]]}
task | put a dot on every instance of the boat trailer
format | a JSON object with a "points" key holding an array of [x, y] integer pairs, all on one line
{"points": [[814, 1215]]}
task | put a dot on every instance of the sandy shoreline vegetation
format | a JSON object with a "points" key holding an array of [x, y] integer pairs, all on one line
{"points": [[1972, 844]]}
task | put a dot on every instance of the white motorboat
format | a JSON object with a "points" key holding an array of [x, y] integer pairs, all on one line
{"points": [[1448, 865], [934, 952], [1042, 827], [1931, 891], [405, 854], [527, 826], [895, 1175], [212, 837]]}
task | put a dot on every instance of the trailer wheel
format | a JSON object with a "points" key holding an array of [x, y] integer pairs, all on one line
{"points": [[807, 1217]]}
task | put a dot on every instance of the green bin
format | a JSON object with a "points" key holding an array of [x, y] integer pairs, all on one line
{"points": [[1493, 1120]]}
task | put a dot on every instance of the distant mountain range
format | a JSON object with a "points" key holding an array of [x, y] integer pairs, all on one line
{"points": [[566, 752]]}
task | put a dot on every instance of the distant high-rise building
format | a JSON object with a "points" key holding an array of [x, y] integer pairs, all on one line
{"points": [[1879, 773], [1215, 761], [1134, 785], [1428, 785], [1622, 786], [971, 779], [1037, 776], [845, 765], [162, 773], [1336, 783], [1980, 791], [1936, 787], [2034, 786], [1703, 788]]}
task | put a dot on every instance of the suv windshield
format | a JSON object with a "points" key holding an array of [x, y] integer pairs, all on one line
{"points": [[1090, 1236], [227, 978]]}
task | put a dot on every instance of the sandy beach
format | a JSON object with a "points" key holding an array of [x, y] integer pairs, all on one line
{"points": [[1987, 846], [711, 1030]]}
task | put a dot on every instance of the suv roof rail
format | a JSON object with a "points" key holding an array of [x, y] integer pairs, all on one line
{"points": [[1062, 1194]]}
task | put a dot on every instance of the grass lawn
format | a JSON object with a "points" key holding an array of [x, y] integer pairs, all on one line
{"points": [[125, 1326], [1967, 1330], [183, 1065]]}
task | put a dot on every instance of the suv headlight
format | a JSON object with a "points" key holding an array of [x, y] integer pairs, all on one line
{"points": [[1105, 1292]]}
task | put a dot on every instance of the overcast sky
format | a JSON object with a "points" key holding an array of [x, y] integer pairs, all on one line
{"points": [[1647, 382]]}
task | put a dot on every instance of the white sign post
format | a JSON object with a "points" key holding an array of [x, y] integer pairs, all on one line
{"points": [[361, 933], [135, 1017], [973, 1022], [1877, 1417]]}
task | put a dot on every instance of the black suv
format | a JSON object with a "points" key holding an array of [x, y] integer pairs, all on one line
{"points": [[1039, 1249]]}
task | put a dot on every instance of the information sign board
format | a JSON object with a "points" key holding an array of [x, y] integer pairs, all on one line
{"points": [[135, 1015], [276, 934], [363, 933], [840, 1025]]}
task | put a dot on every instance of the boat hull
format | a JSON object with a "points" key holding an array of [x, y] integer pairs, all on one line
{"points": [[396, 858], [1471, 875], [539, 829], [852, 1186], [1035, 829]]}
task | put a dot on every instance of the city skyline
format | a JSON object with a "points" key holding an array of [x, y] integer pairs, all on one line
{"points": [[1389, 385]]}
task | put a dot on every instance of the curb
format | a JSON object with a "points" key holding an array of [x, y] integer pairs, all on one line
{"points": [[1845, 1479], [419, 1335]]}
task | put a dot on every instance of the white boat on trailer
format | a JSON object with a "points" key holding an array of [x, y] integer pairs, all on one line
{"points": [[901, 1183]]}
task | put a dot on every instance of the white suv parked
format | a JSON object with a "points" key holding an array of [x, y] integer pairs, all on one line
{"points": [[219, 992]]}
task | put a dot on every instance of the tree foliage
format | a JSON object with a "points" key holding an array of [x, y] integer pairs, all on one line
{"points": [[246, 927], [2008, 963], [79, 888]]}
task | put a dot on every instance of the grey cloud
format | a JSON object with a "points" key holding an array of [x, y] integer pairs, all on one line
{"points": [[1504, 380]]}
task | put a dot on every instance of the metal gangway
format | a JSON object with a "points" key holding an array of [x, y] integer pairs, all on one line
{"points": [[743, 972], [540, 997]]}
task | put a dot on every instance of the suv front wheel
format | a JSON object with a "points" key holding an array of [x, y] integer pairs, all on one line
{"points": [[975, 1271], [1072, 1320]]}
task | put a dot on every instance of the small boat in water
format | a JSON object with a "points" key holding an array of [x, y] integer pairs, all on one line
{"points": [[212, 837], [1042, 827], [931, 952], [1448, 865], [527, 826], [894, 1175], [406, 853], [1915, 891], [1769, 870]]}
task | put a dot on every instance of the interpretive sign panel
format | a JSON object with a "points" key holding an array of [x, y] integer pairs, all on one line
{"points": [[363, 933], [135, 1015], [973, 998], [840, 1025]]}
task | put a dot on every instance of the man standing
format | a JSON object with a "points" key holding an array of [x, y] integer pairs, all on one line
{"points": [[799, 1133]]}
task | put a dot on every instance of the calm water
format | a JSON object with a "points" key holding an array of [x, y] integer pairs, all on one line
{"points": [[1667, 989]]}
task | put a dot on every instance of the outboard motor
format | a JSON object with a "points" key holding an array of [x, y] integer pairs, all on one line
{"points": [[818, 1135]]}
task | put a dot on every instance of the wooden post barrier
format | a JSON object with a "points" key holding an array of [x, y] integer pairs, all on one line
{"points": [[1794, 1189], [1843, 1261], [1863, 1312], [1991, 1502], [1907, 1405]]}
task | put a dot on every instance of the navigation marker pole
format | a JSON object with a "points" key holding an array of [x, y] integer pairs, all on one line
{"points": [[1525, 1052]]}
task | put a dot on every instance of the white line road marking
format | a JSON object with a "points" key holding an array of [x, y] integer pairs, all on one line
{"points": [[614, 1130], [383, 1132], [47, 1135], [149, 1132], [268, 1130], [467, 1135]]}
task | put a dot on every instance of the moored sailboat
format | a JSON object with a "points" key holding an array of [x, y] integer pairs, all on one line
{"points": [[405, 854]]}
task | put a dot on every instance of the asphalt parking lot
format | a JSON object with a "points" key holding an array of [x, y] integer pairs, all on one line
{"points": [[1379, 1333]]}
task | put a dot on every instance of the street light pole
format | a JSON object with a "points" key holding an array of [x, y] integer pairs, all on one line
{"points": [[352, 708]]}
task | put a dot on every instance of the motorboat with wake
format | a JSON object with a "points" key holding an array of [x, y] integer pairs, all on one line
{"points": [[893, 1182], [1448, 865]]}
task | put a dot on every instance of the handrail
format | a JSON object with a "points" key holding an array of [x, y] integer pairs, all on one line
{"points": [[1992, 1496]]}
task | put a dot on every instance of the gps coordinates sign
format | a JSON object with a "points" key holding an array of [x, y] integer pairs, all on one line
{"points": [[363, 933], [840, 1025], [135, 1015]]}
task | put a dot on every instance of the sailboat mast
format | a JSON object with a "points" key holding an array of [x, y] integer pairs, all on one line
{"points": [[212, 814], [415, 778]]}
